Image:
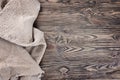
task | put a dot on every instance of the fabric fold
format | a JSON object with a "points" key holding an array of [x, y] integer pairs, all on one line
{"points": [[21, 45]]}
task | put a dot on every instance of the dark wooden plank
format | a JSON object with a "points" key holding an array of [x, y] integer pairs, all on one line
{"points": [[83, 38]]}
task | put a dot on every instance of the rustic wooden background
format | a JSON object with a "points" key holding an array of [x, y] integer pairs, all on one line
{"points": [[83, 38]]}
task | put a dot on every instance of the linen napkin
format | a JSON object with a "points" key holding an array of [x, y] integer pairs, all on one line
{"points": [[22, 46]]}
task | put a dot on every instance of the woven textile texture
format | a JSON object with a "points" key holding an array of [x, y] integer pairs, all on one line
{"points": [[21, 45]]}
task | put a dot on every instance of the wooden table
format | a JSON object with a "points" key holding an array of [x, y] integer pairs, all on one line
{"points": [[83, 38]]}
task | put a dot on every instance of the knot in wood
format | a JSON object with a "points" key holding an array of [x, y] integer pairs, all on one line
{"points": [[63, 70]]}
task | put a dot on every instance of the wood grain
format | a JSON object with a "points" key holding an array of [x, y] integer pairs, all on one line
{"points": [[83, 38]]}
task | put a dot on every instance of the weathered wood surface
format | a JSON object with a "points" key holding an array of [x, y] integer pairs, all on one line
{"points": [[83, 38]]}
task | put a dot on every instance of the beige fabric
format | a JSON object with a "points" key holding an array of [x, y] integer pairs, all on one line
{"points": [[21, 45]]}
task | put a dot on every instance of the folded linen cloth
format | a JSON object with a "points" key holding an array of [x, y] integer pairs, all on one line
{"points": [[21, 45]]}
